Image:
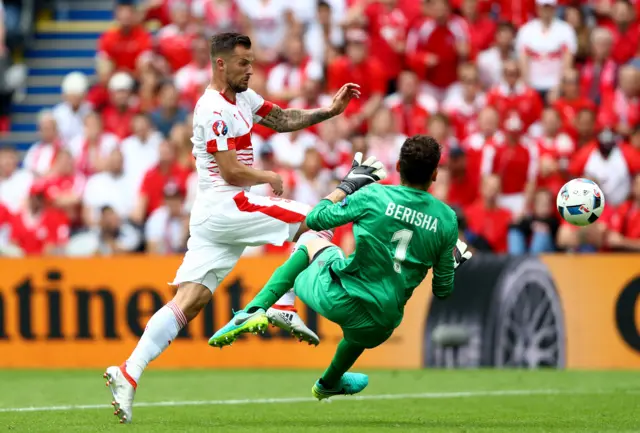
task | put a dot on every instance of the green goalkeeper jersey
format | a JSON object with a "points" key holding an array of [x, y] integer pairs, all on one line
{"points": [[400, 234]]}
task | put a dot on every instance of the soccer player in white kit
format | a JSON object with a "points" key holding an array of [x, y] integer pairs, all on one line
{"points": [[226, 217]]}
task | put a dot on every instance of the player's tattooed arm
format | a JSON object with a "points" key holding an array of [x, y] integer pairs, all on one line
{"points": [[292, 119]]}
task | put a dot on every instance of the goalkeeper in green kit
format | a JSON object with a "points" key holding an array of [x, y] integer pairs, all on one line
{"points": [[401, 232]]}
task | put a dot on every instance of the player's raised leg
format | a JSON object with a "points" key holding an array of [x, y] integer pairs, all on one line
{"points": [[256, 312], [252, 219], [283, 313]]}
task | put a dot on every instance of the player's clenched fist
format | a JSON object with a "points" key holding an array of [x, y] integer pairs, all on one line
{"points": [[362, 174], [275, 180]]}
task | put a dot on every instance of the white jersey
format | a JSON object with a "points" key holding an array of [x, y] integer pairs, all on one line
{"points": [[220, 125], [545, 49]]}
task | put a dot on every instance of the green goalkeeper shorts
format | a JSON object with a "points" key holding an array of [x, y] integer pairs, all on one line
{"points": [[319, 289]]}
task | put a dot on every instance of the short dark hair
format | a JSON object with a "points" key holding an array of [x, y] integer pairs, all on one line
{"points": [[225, 43], [419, 158]]}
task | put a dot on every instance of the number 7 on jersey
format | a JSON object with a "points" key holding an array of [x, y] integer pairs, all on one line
{"points": [[402, 237]]}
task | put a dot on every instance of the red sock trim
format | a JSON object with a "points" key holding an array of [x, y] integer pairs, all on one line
{"points": [[180, 317], [123, 370], [285, 308]]}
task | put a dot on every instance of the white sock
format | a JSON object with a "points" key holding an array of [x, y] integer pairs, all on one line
{"points": [[289, 298], [161, 330]]}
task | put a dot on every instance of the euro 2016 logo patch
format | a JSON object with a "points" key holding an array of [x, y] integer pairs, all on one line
{"points": [[220, 128]]}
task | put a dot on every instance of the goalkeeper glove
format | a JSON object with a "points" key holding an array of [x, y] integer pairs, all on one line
{"points": [[362, 174], [460, 254]]}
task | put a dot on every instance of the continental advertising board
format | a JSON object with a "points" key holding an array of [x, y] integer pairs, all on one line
{"points": [[555, 311]]}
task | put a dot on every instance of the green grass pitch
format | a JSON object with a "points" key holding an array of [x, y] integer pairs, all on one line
{"points": [[280, 401]]}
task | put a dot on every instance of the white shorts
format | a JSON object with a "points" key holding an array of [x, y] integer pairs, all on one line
{"points": [[220, 232]]}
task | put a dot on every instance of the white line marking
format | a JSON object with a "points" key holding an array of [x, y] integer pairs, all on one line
{"points": [[426, 395]]}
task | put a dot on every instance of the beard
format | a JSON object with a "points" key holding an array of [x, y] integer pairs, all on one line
{"points": [[239, 87]]}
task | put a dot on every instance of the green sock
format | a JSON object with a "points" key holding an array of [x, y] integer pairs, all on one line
{"points": [[281, 281], [346, 355]]}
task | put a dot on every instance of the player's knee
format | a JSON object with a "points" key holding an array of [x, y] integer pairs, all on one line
{"points": [[315, 245], [191, 298]]}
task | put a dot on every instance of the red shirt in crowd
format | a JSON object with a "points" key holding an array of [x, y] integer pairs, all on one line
{"points": [[175, 46], [57, 186], [523, 100], [125, 49], [513, 163], [474, 145], [118, 122], [335, 155], [98, 96], [617, 109], [32, 233], [155, 180], [490, 223], [559, 149], [5, 223], [614, 171], [191, 80], [463, 190], [517, 12], [60, 185], [162, 13], [369, 74], [626, 220], [386, 29], [598, 82], [463, 114], [632, 154], [411, 118], [482, 32], [625, 45], [430, 39], [569, 108]]}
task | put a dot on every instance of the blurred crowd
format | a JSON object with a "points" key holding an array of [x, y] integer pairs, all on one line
{"points": [[522, 95]]}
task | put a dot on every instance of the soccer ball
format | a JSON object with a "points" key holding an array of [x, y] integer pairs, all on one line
{"points": [[580, 202]]}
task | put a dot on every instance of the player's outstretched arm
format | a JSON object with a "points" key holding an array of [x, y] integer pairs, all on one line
{"points": [[293, 119]]}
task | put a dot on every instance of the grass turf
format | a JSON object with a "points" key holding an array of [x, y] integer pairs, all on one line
{"points": [[569, 402]]}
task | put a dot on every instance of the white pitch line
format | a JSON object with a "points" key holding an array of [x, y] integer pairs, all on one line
{"points": [[426, 395]]}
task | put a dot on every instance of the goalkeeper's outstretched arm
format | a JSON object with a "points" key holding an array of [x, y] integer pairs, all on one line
{"points": [[444, 269], [336, 209]]}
